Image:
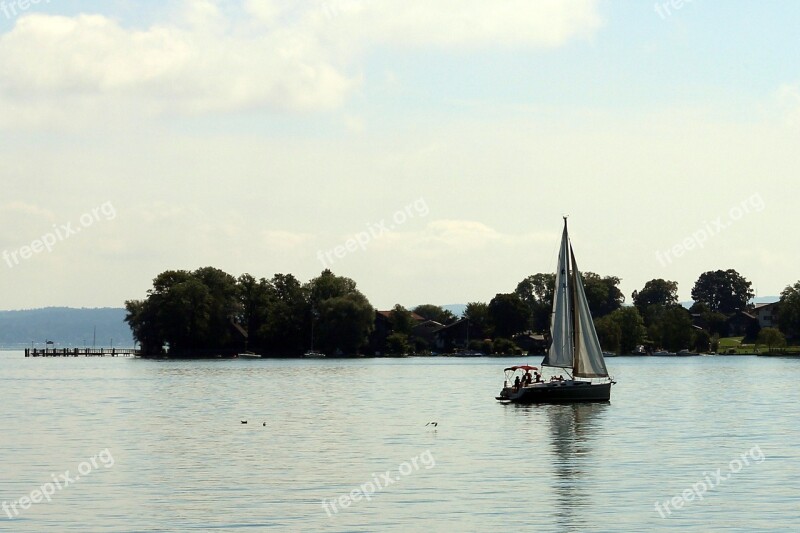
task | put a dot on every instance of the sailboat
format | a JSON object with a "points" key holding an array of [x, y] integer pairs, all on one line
{"points": [[574, 351], [313, 354]]}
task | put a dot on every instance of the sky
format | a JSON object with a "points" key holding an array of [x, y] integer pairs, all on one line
{"points": [[428, 150]]}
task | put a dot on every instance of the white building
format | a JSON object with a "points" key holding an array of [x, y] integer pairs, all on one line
{"points": [[766, 315]]}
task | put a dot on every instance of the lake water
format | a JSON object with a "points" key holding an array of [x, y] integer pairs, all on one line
{"points": [[159, 446]]}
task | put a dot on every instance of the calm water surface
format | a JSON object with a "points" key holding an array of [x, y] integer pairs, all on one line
{"points": [[179, 459]]}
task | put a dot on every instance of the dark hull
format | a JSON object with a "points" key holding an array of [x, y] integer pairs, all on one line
{"points": [[563, 392]]}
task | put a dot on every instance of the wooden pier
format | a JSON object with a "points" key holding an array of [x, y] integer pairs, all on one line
{"points": [[80, 352]]}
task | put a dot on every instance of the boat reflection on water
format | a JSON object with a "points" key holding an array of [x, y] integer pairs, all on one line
{"points": [[573, 432]]}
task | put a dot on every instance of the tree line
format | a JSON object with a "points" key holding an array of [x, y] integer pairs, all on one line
{"points": [[209, 311]]}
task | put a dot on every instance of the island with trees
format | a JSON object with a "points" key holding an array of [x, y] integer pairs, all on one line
{"points": [[208, 312]]}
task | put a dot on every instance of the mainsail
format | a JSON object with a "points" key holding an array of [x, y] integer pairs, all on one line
{"points": [[574, 339], [561, 347]]}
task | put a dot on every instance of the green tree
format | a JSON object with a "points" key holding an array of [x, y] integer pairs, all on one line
{"points": [[505, 346], [255, 300], [186, 315], [343, 315], [602, 294], [141, 317], [608, 333], [715, 343], [401, 320], [675, 328], [536, 292], [789, 310], [397, 344], [656, 292], [652, 315], [508, 315], [287, 329], [771, 337], [723, 291], [479, 322], [435, 313], [345, 323], [223, 305], [702, 341], [179, 309], [631, 326], [485, 345], [194, 313], [715, 323], [168, 279], [176, 312], [328, 285]]}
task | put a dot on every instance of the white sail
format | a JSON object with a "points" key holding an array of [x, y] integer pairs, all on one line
{"points": [[589, 361], [561, 333]]}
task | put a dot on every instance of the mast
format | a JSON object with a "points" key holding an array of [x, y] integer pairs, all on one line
{"points": [[575, 281], [313, 313]]}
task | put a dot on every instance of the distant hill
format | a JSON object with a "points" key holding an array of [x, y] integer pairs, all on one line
{"points": [[456, 309], [765, 299], [65, 326]]}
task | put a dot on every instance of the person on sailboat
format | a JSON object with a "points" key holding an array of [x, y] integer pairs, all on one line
{"points": [[516, 383]]}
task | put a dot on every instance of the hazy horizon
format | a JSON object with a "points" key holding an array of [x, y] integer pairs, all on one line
{"points": [[426, 150]]}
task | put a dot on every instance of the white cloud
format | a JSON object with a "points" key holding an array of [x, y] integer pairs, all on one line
{"points": [[464, 23], [52, 65], [287, 55]]}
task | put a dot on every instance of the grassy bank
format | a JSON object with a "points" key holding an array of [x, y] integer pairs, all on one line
{"points": [[737, 346]]}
